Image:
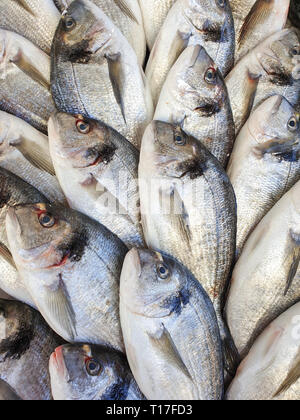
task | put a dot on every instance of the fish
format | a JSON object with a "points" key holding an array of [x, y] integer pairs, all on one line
{"points": [[71, 266], [98, 170], [127, 16], [25, 80], [195, 97], [266, 279], [26, 343], [294, 14], [88, 46], [189, 22], [24, 151], [6, 393], [154, 14], [170, 330], [271, 68], [271, 370], [265, 18], [32, 19], [13, 190], [188, 210], [265, 162], [88, 372]]}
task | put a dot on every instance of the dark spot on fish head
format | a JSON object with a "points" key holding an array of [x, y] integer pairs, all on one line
{"points": [[175, 303], [117, 391], [193, 168], [213, 32], [4, 198], [79, 53], [208, 108], [74, 245], [280, 77], [17, 323]]}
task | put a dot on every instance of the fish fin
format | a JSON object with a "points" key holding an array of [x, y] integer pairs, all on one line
{"points": [[258, 13], [115, 75], [295, 262], [126, 9], [230, 352], [292, 377], [6, 254], [61, 309], [35, 157], [24, 5], [30, 70], [165, 344]]}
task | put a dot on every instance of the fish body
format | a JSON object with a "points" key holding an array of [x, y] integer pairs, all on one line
{"points": [[6, 393], [188, 210], [127, 16], [97, 169], [190, 22], [271, 68], [266, 278], [271, 370], [26, 343], [24, 80], [35, 20], [170, 330], [195, 97], [24, 151], [88, 372], [154, 14], [264, 163], [94, 49], [71, 266]]}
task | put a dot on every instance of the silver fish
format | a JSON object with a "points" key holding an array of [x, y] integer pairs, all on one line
{"points": [[195, 97], [87, 372], [265, 162], [26, 343], [89, 47], [71, 266], [98, 170], [170, 330], [189, 22]]}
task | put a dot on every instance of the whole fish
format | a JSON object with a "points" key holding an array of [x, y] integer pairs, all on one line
{"points": [[36, 20], [265, 18], [271, 370], [88, 372], [98, 170], [127, 16], [6, 393], [294, 14], [71, 266], [88, 46], [265, 162], [24, 151], [266, 278], [26, 343], [204, 22], [195, 97], [13, 191], [189, 212], [24, 80], [170, 330], [272, 68], [154, 14]]}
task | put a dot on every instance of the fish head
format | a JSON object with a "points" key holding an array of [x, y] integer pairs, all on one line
{"points": [[83, 30], [87, 372], [275, 126], [84, 143], [175, 154], [44, 236], [153, 285], [16, 329], [211, 18]]}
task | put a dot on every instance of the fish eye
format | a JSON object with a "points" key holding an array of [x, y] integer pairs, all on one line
{"points": [[47, 220], [221, 3], [162, 271], [211, 75], [295, 50], [93, 367], [293, 124], [69, 23], [83, 127], [179, 139]]}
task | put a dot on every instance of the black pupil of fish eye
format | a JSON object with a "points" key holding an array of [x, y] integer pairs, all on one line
{"points": [[69, 23], [92, 366], [210, 74], [178, 139], [46, 220], [83, 127], [292, 123], [162, 270]]}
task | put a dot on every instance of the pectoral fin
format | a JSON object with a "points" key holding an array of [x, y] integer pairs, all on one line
{"points": [[292, 377], [288, 151], [259, 12], [295, 262], [60, 309], [27, 67], [116, 79], [126, 9], [35, 156], [6, 255]]}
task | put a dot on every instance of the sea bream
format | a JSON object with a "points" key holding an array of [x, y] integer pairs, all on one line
{"points": [[88, 372], [98, 171], [88, 47], [71, 266], [170, 330]]}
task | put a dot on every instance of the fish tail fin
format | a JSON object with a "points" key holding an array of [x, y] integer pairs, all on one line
{"points": [[230, 352]]}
